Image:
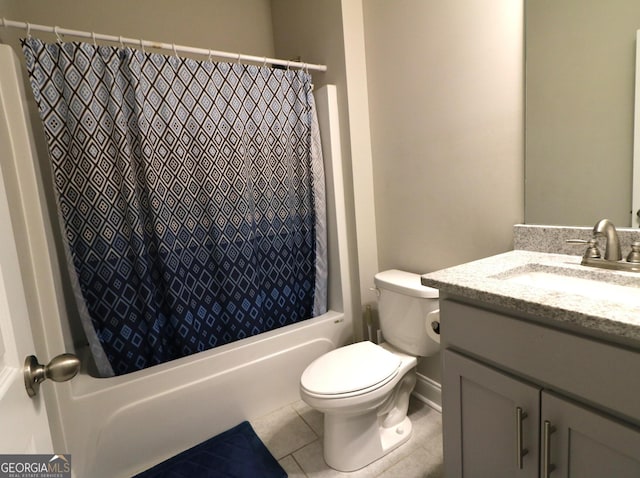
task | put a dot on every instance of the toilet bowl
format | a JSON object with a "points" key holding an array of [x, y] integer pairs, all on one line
{"points": [[363, 389]]}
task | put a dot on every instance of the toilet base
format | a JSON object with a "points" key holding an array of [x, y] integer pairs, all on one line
{"points": [[354, 442], [354, 438]]}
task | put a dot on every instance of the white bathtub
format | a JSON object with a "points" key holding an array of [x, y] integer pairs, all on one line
{"points": [[116, 427], [122, 425]]}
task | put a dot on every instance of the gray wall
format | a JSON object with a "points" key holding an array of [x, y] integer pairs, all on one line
{"points": [[446, 109], [445, 95], [579, 118], [219, 24]]}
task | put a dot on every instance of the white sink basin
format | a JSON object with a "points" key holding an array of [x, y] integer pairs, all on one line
{"points": [[596, 285]]}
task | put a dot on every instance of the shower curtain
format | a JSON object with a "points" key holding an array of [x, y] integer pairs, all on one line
{"points": [[190, 193]]}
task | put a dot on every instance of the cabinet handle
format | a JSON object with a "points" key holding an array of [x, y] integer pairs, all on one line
{"points": [[521, 452], [547, 466]]}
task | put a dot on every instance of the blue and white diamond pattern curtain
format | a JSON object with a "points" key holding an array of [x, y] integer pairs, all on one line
{"points": [[191, 195]]}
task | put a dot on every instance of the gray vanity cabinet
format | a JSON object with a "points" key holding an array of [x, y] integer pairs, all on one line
{"points": [[482, 434], [587, 444], [506, 407]]}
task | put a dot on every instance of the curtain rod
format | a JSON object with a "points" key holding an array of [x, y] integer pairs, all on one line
{"points": [[29, 27]]}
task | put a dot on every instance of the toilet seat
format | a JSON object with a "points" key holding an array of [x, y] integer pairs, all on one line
{"points": [[351, 370]]}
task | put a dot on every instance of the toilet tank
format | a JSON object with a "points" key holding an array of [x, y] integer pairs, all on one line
{"points": [[403, 305]]}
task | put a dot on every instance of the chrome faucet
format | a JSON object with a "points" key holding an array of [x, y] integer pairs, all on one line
{"points": [[612, 254], [604, 227]]}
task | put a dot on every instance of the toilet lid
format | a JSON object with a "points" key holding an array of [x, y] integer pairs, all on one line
{"points": [[350, 368]]}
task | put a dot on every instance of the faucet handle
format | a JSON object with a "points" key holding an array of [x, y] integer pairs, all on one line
{"points": [[592, 251], [634, 255]]}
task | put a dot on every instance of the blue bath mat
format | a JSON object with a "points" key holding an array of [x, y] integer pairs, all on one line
{"points": [[236, 453]]}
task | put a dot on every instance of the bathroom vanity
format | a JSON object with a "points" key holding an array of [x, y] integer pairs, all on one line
{"points": [[541, 368]]}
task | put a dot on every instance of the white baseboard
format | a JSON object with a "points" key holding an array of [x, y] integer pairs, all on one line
{"points": [[428, 391]]}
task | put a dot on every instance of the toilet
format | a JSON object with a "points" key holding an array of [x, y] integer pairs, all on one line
{"points": [[363, 389]]}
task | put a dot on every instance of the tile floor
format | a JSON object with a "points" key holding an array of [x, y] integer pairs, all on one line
{"points": [[293, 434]]}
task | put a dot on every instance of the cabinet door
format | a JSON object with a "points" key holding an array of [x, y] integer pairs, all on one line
{"points": [[586, 444], [481, 432]]}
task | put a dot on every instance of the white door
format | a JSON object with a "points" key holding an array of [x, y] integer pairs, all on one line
{"points": [[24, 426]]}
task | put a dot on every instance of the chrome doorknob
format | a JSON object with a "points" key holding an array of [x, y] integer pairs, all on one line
{"points": [[60, 369]]}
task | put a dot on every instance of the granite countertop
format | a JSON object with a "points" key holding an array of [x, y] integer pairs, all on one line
{"points": [[483, 280]]}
